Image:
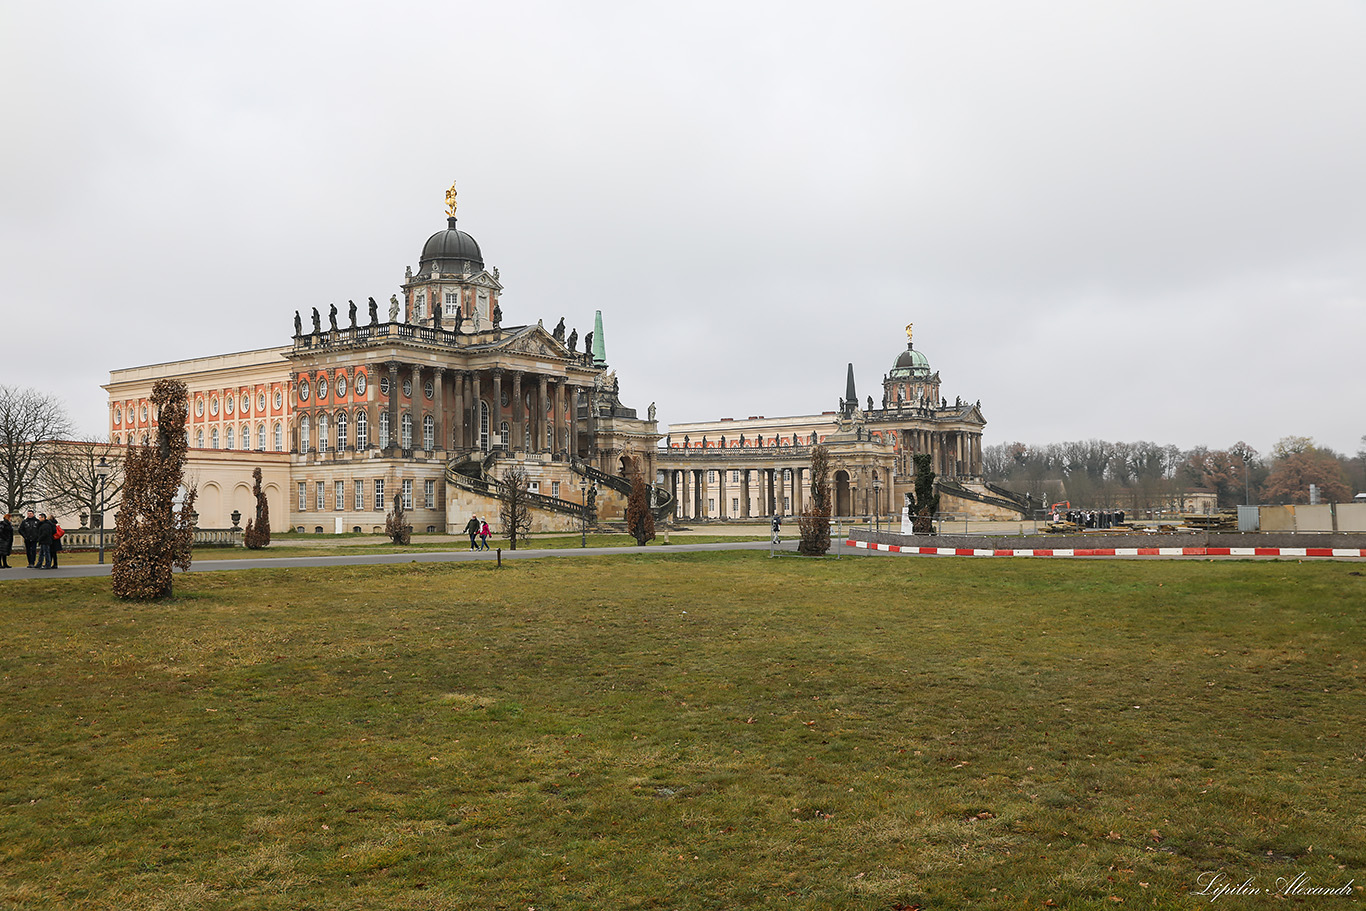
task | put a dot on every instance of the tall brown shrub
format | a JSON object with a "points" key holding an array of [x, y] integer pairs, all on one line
{"points": [[814, 521], [153, 536], [258, 530]]}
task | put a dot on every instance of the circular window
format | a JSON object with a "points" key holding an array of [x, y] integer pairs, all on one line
{"points": [[213, 407], [144, 413], [277, 398], [228, 403], [506, 398], [322, 388], [407, 387], [341, 385], [303, 390], [199, 406], [360, 384], [118, 415], [261, 402], [428, 390], [246, 403], [384, 385]]}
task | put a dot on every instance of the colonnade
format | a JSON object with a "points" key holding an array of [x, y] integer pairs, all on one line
{"points": [[465, 407], [956, 453], [739, 493]]}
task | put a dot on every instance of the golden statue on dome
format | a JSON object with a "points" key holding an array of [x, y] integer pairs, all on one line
{"points": [[908, 332], [450, 200]]}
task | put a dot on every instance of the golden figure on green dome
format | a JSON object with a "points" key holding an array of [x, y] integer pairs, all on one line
{"points": [[908, 332], [450, 200]]}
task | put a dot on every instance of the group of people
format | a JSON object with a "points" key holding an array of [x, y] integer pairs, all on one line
{"points": [[42, 537], [476, 528], [1092, 518]]}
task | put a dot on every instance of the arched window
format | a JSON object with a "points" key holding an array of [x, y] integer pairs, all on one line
{"points": [[227, 437], [199, 440], [279, 437], [428, 433], [213, 438], [261, 437], [362, 430], [384, 430], [305, 433], [484, 426], [407, 431], [322, 432], [503, 435], [341, 431]]}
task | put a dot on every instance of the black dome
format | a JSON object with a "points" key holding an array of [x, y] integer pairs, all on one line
{"points": [[452, 250]]}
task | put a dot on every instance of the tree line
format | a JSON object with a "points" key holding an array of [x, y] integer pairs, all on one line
{"points": [[1139, 475]]}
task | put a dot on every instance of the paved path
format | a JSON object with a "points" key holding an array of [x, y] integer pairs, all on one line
{"points": [[453, 556]]}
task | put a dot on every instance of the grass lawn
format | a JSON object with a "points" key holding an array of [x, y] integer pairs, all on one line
{"points": [[306, 545], [676, 731]]}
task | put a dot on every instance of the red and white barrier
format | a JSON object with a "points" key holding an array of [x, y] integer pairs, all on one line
{"points": [[1115, 551]]}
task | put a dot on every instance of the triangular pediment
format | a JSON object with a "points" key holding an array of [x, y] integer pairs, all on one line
{"points": [[534, 341]]}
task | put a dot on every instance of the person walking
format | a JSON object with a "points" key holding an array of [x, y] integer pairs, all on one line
{"points": [[777, 527], [46, 527], [6, 541], [28, 530], [484, 535], [57, 532], [472, 529]]}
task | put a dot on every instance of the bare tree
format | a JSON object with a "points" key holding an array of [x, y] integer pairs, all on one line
{"points": [[29, 420], [70, 478], [814, 521], [924, 502], [257, 534], [396, 524], [514, 507], [639, 520], [155, 528]]}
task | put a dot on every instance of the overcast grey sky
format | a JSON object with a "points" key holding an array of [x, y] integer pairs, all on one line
{"points": [[1126, 220]]}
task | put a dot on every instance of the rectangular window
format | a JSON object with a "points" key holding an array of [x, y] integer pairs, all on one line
{"points": [[429, 494], [452, 302], [534, 486], [339, 499], [711, 507], [407, 493], [711, 477], [735, 476], [735, 506], [303, 496], [787, 504], [359, 495], [321, 496], [554, 488], [379, 495]]}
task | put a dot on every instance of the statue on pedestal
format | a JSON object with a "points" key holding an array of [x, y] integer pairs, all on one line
{"points": [[374, 312], [317, 322], [393, 308], [574, 340], [351, 312], [332, 317], [558, 334], [497, 316], [650, 412], [298, 325]]}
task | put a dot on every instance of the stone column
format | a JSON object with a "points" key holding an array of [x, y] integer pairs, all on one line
{"points": [[517, 429], [684, 491], [458, 414], [475, 397], [394, 383], [772, 498], [721, 493], [419, 406], [538, 425], [439, 401], [798, 491], [573, 421], [744, 493], [371, 406], [496, 412]]}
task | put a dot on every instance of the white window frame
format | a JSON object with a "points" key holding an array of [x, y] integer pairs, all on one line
{"points": [[339, 495], [362, 430], [429, 494], [303, 496], [407, 493], [379, 494], [320, 490]]}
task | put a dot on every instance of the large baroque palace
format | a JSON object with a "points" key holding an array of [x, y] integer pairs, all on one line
{"points": [[759, 466], [431, 404]]}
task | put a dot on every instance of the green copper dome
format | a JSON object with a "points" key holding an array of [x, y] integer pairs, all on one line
{"points": [[911, 363]]}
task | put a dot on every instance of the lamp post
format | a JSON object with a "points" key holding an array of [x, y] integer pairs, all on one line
{"points": [[583, 518], [877, 503], [102, 472]]}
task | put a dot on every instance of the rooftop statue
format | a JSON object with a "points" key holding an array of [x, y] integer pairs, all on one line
{"points": [[558, 333], [393, 308], [450, 200], [574, 340], [374, 312], [351, 311], [332, 317], [298, 325], [317, 322]]}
